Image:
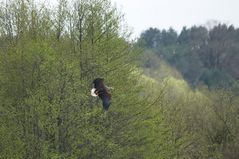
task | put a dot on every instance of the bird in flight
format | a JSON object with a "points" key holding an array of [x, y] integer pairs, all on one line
{"points": [[102, 91]]}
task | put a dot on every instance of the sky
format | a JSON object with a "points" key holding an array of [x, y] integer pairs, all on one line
{"points": [[139, 15]]}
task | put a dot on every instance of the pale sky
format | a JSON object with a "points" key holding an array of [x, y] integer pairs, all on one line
{"points": [[142, 14]]}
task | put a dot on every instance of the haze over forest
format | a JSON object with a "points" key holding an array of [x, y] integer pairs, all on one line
{"points": [[175, 96]]}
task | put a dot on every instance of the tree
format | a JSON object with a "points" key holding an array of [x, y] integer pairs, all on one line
{"points": [[151, 37], [47, 67]]}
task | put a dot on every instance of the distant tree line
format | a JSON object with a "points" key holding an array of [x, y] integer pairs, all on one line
{"points": [[203, 119], [202, 55]]}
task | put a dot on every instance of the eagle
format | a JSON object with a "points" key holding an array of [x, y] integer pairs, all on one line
{"points": [[99, 89]]}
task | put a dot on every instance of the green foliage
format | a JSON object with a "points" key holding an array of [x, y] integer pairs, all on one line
{"points": [[198, 122], [196, 51], [46, 74], [48, 59], [216, 78]]}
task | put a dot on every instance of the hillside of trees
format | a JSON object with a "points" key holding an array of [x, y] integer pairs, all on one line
{"points": [[48, 59], [202, 55]]}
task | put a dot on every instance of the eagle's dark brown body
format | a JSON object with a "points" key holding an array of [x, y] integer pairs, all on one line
{"points": [[102, 92]]}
